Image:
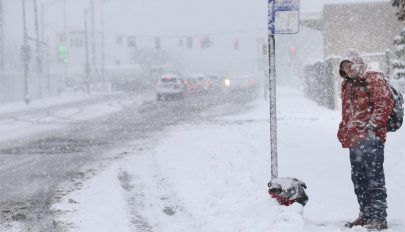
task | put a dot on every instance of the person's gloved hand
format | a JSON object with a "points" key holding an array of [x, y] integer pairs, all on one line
{"points": [[371, 129]]}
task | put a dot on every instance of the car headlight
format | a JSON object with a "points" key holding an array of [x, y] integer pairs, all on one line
{"points": [[227, 82]]}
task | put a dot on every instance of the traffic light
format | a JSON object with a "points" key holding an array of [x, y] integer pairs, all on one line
{"points": [[131, 41], [205, 42], [181, 43], [236, 44], [62, 38], [157, 43], [118, 40], [293, 51], [63, 54], [189, 42]]}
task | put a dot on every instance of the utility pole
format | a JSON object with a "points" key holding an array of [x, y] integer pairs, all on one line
{"points": [[42, 15], [38, 39], [26, 54], [48, 67], [38, 48], [102, 45], [45, 50], [64, 43], [1, 37], [93, 36], [86, 45]]}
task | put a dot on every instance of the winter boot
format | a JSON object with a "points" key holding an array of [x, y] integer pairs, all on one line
{"points": [[376, 225], [358, 222]]}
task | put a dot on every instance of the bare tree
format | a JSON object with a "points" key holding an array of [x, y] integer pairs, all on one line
{"points": [[400, 5], [398, 63]]}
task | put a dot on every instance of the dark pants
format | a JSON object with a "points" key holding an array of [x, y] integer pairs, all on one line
{"points": [[368, 178]]}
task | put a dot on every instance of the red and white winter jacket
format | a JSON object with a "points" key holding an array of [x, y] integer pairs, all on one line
{"points": [[366, 106]]}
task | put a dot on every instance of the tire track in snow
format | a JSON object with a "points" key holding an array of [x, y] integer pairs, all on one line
{"points": [[136, 199], [152, 203]]}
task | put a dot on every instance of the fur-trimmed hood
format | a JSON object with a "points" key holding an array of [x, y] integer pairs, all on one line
{"points": [[353, 56]]}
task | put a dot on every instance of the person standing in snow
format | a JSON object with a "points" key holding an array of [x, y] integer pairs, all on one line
{"points": [[366, 106]]}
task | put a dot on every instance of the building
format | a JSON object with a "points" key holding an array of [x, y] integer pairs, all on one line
{"points": [[369, 27]]}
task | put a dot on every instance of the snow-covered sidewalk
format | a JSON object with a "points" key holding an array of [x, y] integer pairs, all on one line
{"points": [[213, 176]]}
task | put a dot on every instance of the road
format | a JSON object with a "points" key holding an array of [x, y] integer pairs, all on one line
{"points": [[37, 171]]}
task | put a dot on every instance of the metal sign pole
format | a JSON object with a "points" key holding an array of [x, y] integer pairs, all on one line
{"points": [[285, 190], [272, 92]]}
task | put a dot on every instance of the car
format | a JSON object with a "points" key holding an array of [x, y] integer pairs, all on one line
{"points": [[191, 85], [239, 83], [216, 80], [170, 86], [203, 82]]}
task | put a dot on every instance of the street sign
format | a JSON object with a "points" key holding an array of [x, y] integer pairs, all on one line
{"points": [[283, 16]]}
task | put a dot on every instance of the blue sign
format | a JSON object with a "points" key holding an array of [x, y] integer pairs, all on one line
{"points": [[283, 16]]}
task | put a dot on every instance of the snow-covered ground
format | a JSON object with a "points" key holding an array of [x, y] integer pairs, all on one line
{"points": [[213, 177], [18, 120]]}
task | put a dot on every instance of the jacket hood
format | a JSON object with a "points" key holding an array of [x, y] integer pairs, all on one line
{"points": [[353, 56]]}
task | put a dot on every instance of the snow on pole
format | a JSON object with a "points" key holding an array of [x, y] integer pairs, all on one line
{"points": [[272, 91]]}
